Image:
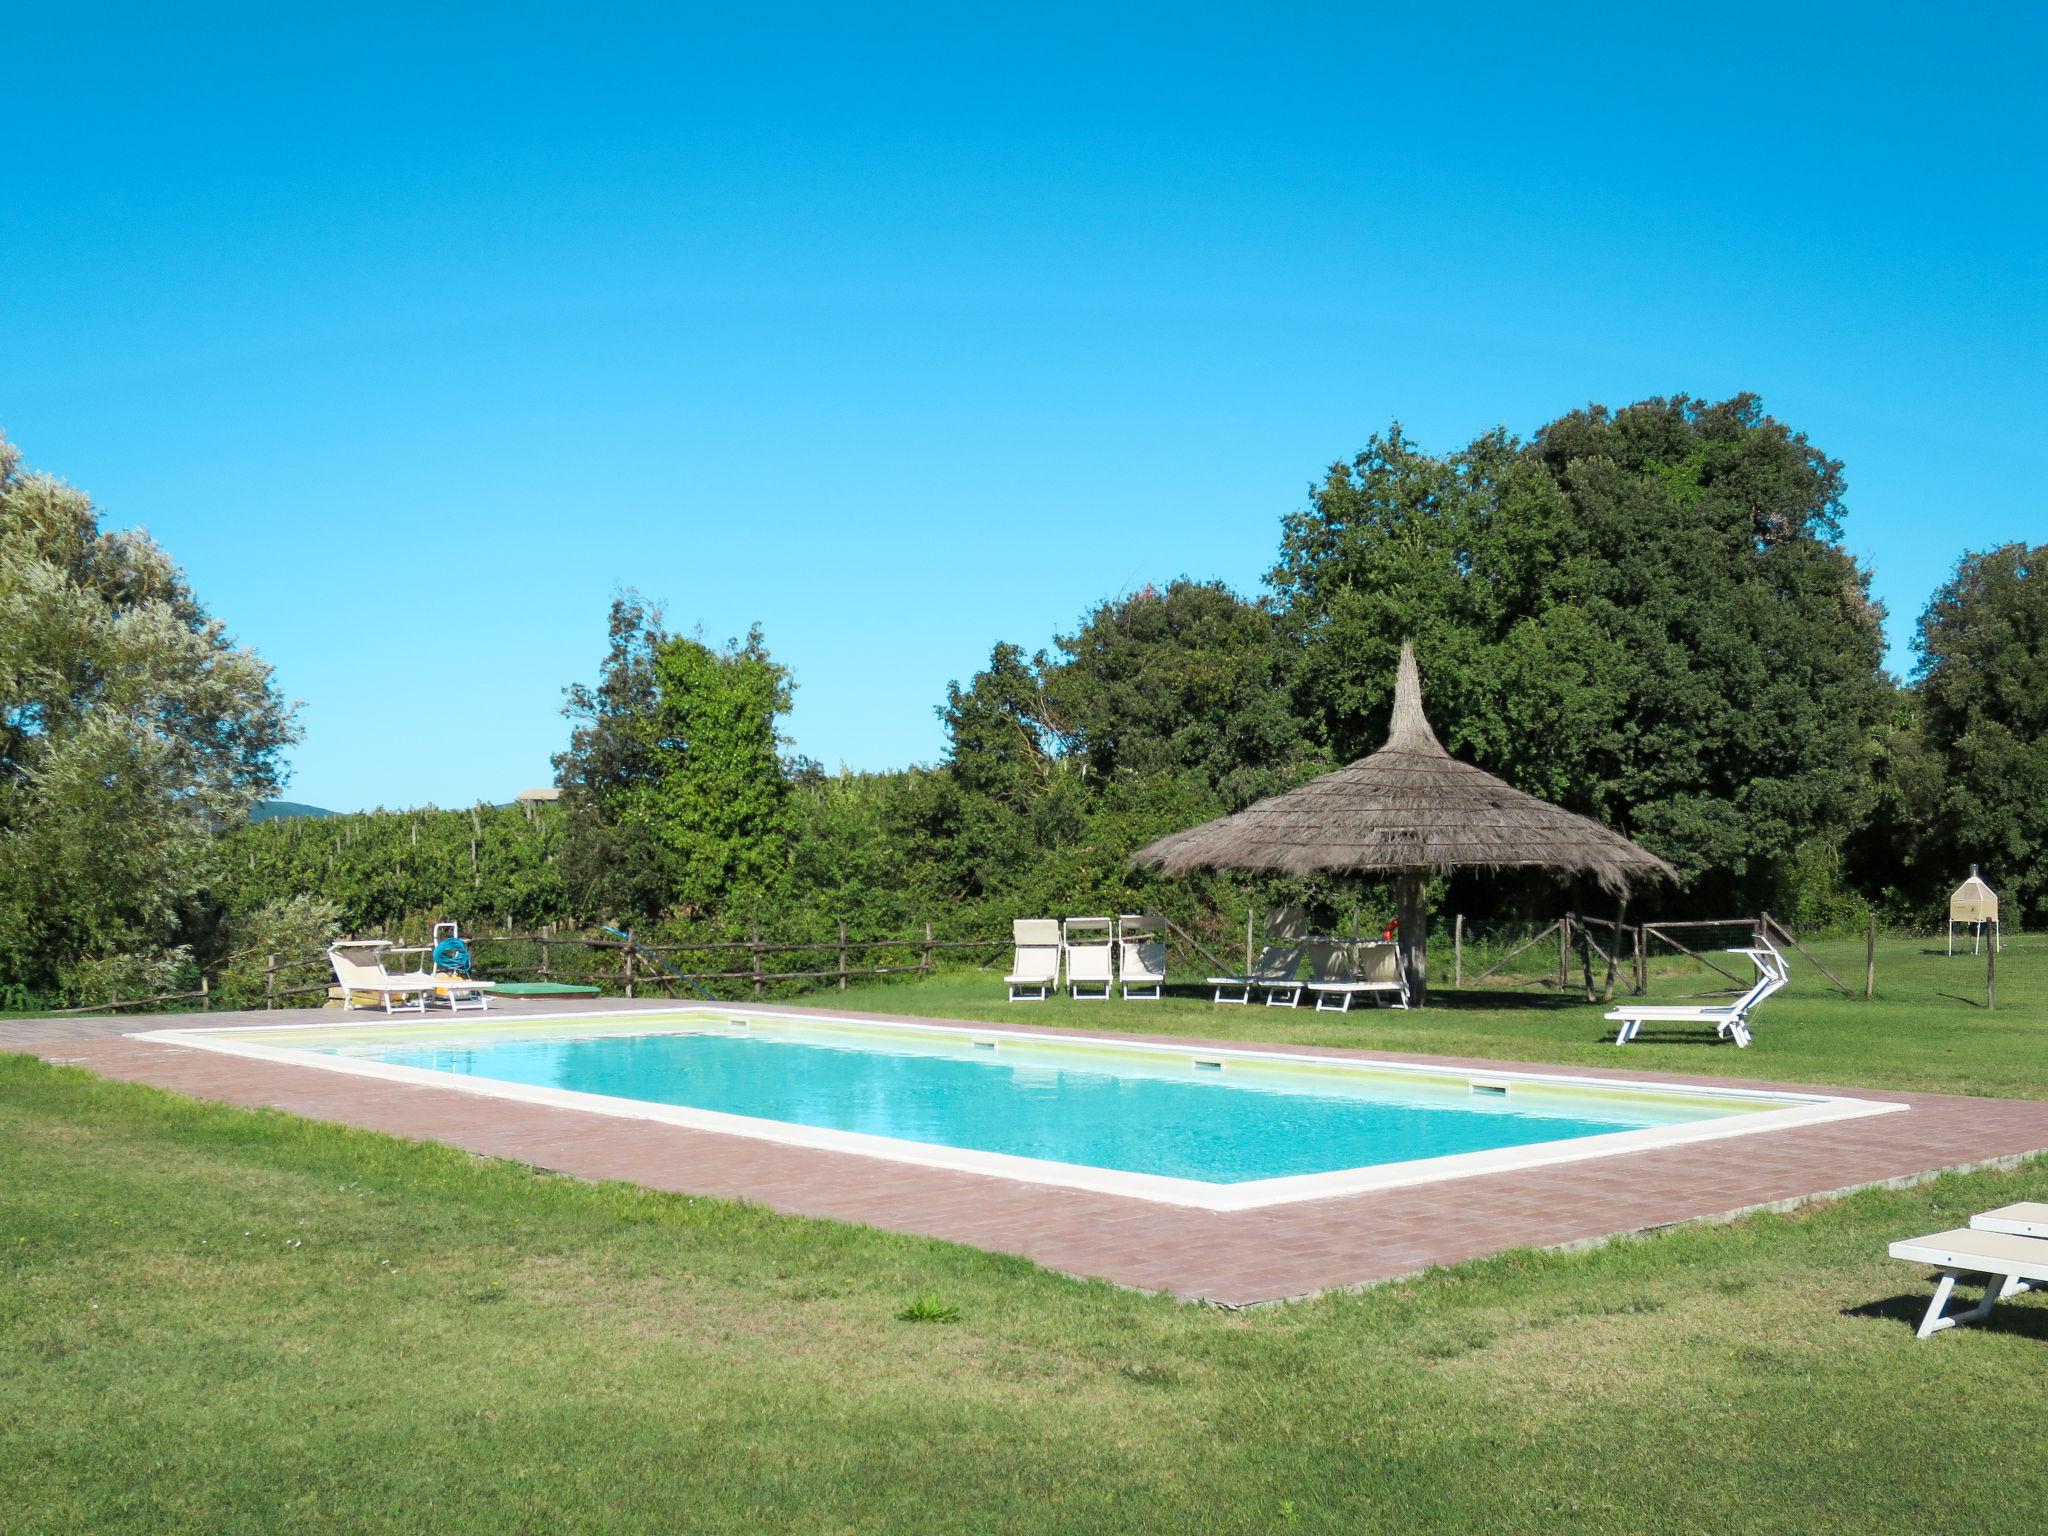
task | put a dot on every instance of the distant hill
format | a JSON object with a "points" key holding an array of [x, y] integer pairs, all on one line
{"points": [[272, 810]]}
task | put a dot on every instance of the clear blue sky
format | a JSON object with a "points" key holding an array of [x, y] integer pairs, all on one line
{"points": [[412, 333]]}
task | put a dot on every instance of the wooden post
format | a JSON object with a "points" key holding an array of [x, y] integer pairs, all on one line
{"points": [[547, 932], [629, 965], [1870, 960], [1248, 939], [1614, 954], [924, 961], [842, 954], [1990, 976], [269, 982], [1642, 964], [1410, 892], [1458, 950], [1564, 952], [754, 930], [205, 996]]}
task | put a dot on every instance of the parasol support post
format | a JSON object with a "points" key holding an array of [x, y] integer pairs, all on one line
{"points": [[1414, 935]]}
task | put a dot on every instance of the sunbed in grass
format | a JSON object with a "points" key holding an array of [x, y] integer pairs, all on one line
{"points": [[2006, 1248], [1035, 967], [1340, 972], [1141, 955], [1730, 1020], [1274, 975], [1090, 947]]}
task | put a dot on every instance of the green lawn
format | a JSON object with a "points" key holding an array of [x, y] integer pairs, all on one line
{"points": [[1927, 1028], [217, 1320]]}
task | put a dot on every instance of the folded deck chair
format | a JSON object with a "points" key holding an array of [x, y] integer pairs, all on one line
{"points": [[461, 992], [2008, 1247], [1090, 956], [1273, 975], [362, 978], [1729, 1020], [1340, 972], [1141, 955], [1035, 968], [458, 991]]}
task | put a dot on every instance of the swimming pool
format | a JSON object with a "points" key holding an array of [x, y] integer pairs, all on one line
{"points": [[1223, 1128]]}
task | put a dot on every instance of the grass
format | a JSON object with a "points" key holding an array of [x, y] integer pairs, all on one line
{"points": [[220, 1320], [1926, 1030]]}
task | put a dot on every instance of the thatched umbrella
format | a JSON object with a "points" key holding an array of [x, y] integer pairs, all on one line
{"points": [[1409, 811]]}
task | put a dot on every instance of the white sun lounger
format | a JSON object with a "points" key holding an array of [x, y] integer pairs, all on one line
{"points": [[1035, 968], [1273, 975], [1090, 956], [2029, 1218], [1336, 977], [1993, 1246], [368, 978], [1141, 955], [1731, 1019]]}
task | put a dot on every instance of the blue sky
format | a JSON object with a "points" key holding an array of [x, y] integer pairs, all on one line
{"points": [[413, 333]]}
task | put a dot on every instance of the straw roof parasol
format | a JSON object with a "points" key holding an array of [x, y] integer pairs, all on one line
{"points": [[1408, 809]]}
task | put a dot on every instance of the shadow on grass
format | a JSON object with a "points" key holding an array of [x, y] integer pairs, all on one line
{"points": [[1698, 1034], [1452, 1000], [2013, 1316]]}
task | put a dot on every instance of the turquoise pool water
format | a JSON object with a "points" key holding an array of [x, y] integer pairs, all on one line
{"points": [[1116, 1110]]}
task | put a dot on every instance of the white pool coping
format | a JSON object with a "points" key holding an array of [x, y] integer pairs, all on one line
{"points": [[1798, 1109]]}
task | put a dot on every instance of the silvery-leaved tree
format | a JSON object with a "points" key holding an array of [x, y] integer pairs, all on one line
{"points": [[132, 727]]}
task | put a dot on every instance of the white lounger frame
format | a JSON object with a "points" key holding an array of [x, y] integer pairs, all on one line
{"points": [[1334, 975], [1035, 967], [1091, 962], [1141, 956], [463, 994], [2007, 1247], [1729, 1020], [358, 977], [1273, 975]]}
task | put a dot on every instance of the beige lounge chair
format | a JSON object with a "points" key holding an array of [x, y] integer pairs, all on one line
{"points": [[1141, 955], [1274, 975], [1035, 967], [1728, 1020], [2006, 1247], [362, 978], [1091, 957], [1340, 972]]}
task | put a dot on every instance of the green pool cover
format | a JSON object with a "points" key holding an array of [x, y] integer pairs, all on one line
{"points": [[542, 989]]}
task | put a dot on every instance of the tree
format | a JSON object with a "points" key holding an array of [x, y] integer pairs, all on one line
{"points": [[1190, 680], [613, 862], [132, 729], [1983, 683], [719, 802], [1645, 615]]}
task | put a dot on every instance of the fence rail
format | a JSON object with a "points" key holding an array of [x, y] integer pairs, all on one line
{"points": [[1621, 951]]}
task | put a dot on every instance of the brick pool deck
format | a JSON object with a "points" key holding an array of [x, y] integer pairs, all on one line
{"points": [[1230, 1258]]}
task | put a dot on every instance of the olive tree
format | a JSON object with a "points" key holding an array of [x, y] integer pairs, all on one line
{"points": [[132, 729]]}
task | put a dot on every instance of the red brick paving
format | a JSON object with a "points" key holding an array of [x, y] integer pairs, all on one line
{"points": [[1233, 1258]]}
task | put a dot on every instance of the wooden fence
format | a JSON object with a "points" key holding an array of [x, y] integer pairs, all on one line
{"points": [[1629, 948], [1619, 951]]}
